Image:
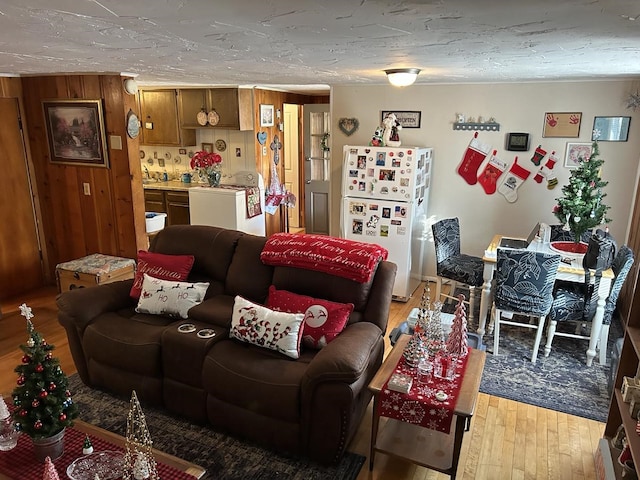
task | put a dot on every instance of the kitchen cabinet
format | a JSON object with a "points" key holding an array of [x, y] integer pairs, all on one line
{"points": [[177, 208], [159, 117], [234, 107], [172, 202]]}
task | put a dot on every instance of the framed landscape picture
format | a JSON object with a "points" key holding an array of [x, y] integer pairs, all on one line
{"points": [[75, 131], [562, 124]]}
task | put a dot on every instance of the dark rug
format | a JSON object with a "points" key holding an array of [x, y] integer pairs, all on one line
{"points": [[224, 457], [561, 382]]}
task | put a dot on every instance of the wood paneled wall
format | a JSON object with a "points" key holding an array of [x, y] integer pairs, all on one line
{"points": [[110, 220], [263, 162]]}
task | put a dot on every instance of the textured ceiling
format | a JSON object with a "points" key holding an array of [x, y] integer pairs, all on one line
{"points": [[303, 42]]}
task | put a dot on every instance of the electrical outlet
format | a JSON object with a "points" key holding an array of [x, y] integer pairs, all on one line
{"points": [[86, 188], [264, 150]]}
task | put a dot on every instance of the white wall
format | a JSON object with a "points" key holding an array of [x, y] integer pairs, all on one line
{"points": [[518, 108]]}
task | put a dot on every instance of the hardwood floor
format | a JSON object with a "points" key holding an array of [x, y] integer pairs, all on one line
{"points": [[507, 440]]}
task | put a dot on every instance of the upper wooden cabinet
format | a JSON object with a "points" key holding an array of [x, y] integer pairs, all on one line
{"points": [[159, 117], [233, 105]]}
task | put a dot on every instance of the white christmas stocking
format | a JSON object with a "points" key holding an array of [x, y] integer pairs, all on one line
{"points": [[514, 178]]}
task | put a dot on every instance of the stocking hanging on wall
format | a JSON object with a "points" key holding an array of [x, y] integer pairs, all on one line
{"points": [[473, 157], [512, 181], [491, 173], [546, 171], [538, 155]]}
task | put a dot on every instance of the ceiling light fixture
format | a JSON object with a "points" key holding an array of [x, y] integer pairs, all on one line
{"points": [[402, 77]]}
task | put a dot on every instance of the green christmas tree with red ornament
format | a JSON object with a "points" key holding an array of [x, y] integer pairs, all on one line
{"points": [[43, 403], [581, 208]]}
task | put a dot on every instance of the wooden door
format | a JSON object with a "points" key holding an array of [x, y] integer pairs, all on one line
{"points": [[20, 260], [317, 185], [292, 161]]}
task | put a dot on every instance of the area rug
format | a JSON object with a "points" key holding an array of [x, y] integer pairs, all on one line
{"points": [[561, 382], [224, 457]]}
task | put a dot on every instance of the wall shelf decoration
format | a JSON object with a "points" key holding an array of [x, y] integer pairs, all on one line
{"points": [[469, 126]]}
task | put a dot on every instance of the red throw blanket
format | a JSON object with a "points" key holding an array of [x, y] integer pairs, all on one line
{"points": [[337, 256]]}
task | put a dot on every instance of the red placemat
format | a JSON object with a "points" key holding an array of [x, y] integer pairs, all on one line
{"points": [[20, 463], [419, 406]]}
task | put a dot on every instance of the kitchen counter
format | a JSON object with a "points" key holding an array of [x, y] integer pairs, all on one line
{"points": [[175, 185]]}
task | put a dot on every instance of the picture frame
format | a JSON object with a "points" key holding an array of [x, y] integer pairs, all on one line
{"points": [[562, 124], [611, 129], [207, 147], [406, 118], [267, 116], [75, 132], [574, 152]]}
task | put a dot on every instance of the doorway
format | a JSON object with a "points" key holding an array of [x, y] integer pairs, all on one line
{"points": [[317, 162]]}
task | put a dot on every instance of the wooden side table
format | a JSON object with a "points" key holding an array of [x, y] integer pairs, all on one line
{"points": [[422, 446]]}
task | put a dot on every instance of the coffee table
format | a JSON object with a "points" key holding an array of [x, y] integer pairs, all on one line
{"points": [[419, 445], [119, 441]]}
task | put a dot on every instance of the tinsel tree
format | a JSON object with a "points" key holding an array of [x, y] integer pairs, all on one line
{"points": [[139, 462], [581, 207], [43, 402], [50, 472], [457, 342]]}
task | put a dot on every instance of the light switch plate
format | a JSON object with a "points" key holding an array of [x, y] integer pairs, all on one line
{"points": [[86, 188]]}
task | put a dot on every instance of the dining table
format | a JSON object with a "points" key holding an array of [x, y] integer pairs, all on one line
{"points": [[570, 269]]}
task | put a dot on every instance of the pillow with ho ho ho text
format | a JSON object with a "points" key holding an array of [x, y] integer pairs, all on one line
{"points": [[166, 297]]}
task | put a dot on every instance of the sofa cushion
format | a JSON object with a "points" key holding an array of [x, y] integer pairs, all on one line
{"points": [[158, 265], [266, 328], [323, 319], [170, 298]]}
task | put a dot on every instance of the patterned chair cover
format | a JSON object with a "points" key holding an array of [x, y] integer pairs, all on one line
{"points": [[569, 303], [559, 234], [524, 281], [450, 263]]}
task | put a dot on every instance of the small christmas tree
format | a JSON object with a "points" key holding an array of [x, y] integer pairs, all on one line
{"points": [[457, 342], [50, 472], [43, 402], [581, 208], [139, 462]]}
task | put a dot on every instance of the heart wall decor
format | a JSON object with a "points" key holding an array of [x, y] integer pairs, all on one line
{"points": [[262, 138], [348, 126]]}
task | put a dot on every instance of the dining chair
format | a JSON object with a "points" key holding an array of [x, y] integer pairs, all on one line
{"points": [[524, 286], [570, 302], [453, 265]]}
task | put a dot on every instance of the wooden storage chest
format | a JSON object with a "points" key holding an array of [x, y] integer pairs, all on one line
{"points": [[92, 270]]}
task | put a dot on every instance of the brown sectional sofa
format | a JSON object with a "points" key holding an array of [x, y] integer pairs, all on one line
{"points": [[310, 406]]}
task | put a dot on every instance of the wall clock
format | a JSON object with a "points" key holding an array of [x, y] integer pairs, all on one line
{"points": [[133, 124], [221, 145]]}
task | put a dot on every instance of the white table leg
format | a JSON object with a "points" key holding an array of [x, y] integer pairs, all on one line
{"points": [[485, 298]]}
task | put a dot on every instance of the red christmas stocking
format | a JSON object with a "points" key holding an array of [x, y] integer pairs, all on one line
{"points": [[489, 176], [546, 171], [473, 158], [515, 177], [538, 155]]}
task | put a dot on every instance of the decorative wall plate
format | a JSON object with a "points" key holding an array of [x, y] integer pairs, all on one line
{"points": [[202, 117], [213, 118], [133, 124], [221, 145], [142, 154], [348, 126]]}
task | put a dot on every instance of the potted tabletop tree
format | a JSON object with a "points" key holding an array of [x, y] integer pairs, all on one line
{"points": [[42, 401], [580, 209]]}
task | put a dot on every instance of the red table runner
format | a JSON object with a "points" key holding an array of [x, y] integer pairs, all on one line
{"points": [[21, 463], [420, 406]]}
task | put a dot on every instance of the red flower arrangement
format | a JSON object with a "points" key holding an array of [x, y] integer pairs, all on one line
{"points": [[210, 162]]}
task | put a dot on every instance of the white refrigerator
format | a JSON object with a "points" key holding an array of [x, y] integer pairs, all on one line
{"points": [[385, 192]]}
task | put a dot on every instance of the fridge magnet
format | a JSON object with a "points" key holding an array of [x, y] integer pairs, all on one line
{"points": [[356, 227], [362, 175], [357, 208], [394, 189], [370, 172], [373, 221], [395, 163], [384, 190], [373, 206], [396, 222], [401, 154], [371, 233], [562, 124], [354, 151], [384, 230], [386, 174], [402, 230], [401, 211], [348, 126], [386, 212], [404, 182], [380, 159], [362, 161], [353, 173], [362, 186]]}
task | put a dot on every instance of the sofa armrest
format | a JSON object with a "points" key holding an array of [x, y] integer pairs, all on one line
{"points": [[80, 306], [346, 358]]}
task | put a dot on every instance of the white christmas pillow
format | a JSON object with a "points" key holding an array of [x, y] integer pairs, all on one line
{"points": [[267, 328], [170, 298]]}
